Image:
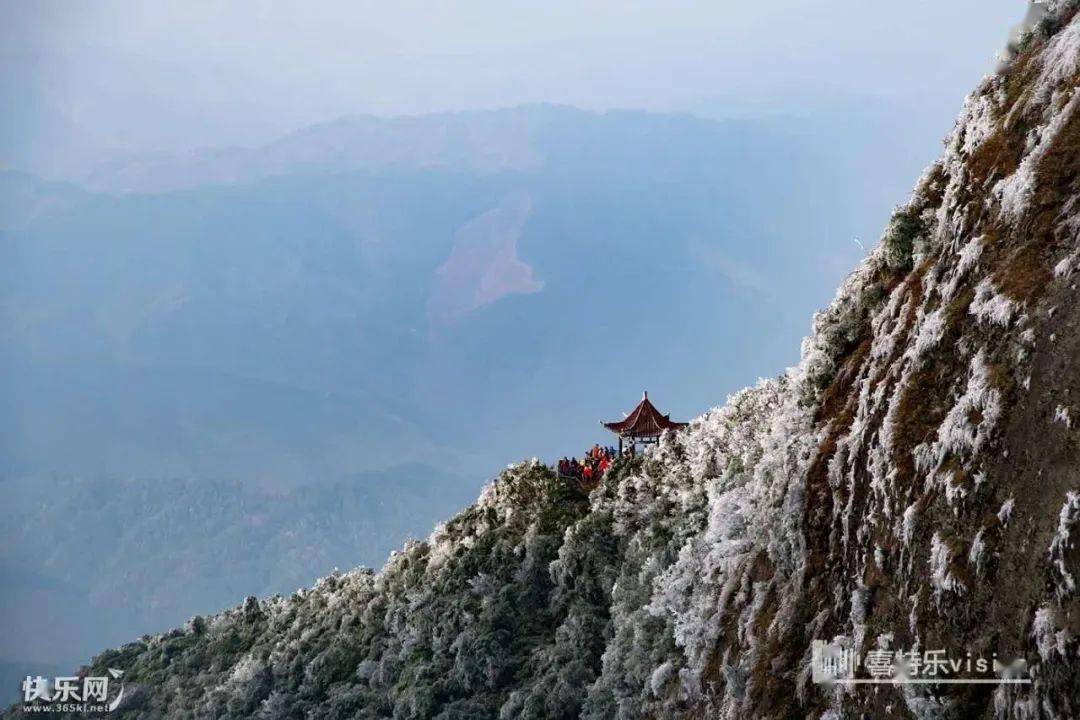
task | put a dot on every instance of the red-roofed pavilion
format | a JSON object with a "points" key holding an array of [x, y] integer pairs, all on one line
{"points": [[644, 424]]}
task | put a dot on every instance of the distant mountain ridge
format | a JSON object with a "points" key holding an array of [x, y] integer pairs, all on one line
{"points": [[336, 268], [479, 141]]}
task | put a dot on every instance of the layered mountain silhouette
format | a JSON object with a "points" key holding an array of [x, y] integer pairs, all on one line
{"points": [[374, 291]]}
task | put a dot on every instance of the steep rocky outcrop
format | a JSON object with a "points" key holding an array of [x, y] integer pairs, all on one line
{"points": [[913, 483]]}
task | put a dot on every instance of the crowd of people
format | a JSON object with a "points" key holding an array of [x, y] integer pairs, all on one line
{"points": [[593, 466]]}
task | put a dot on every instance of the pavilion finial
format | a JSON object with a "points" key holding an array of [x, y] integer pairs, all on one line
{"points": [[644, 424]]}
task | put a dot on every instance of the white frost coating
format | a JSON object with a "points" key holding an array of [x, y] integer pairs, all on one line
{"points": [[979, 125], [977, 554], [858, 614], [660, 676], [1009, 704], [955, 490], [1050, 638], [991, 306], [968, 426], [942, 578], [929, 335], [736, 460], [910, 518], [967, 257], [836, 325], [887, 328], [1061, 59], [926, 707], [1015, 191], [246, 669], [1005, 512], [1065, 266], [1064, 542]]}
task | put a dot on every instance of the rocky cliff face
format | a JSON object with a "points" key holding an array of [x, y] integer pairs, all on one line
{"points": [[913, 484]]}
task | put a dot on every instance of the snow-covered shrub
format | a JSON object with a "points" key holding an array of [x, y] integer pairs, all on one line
{"points": [[905, 229], [1065, 548], [838, 329]]}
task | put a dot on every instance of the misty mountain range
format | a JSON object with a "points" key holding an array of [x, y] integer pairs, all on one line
{"points": [[373, 298], [92, 560], [349, 293]]}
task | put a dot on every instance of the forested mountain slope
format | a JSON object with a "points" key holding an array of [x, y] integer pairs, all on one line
{"points": [[912, 483]]}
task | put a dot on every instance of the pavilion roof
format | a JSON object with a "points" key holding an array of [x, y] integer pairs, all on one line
{"points": [[644, 421]]}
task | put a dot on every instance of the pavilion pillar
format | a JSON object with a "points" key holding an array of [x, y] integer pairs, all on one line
{"points": [[641, 426]]}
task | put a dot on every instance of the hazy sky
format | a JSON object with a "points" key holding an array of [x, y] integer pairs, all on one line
{"points": [[174, 74]]}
